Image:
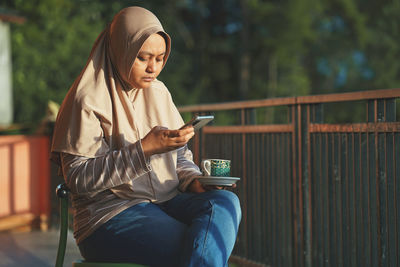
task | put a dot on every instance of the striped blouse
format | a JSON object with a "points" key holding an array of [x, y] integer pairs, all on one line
{"points": [[91, 180]]}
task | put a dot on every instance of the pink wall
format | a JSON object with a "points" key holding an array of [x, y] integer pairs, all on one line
{"points": [[24, 175]]}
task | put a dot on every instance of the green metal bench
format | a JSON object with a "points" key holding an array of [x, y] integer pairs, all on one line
{"points": [[62, 192]]}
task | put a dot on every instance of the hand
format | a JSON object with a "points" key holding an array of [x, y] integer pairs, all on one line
{"points": [[160, 140], [217, 187], [196, 187]]}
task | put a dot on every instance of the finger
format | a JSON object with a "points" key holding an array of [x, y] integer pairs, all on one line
{"points": [[187, 130], [173, 133], [174, 145], [181, 139], [183, 132]]}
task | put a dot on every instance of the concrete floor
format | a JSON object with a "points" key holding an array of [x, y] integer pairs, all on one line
{"points": [[34, 249], [39, 249]]}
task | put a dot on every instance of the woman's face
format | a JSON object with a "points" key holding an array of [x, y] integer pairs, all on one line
{"points": [[149, 62]]}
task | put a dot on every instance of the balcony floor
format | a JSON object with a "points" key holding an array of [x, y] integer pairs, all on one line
{"points": [[34, 249], [39, 249]]}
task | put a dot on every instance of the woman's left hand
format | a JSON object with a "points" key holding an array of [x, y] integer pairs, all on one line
{"points": [[196, 187]]}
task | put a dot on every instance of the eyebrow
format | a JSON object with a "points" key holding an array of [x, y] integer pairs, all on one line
{"points": [[150, 54]]}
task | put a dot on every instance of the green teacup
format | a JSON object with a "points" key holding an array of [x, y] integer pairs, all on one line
{"points": [[216, 167]]}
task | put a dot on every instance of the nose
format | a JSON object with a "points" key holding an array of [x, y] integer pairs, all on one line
{"points": [[151, 66]]}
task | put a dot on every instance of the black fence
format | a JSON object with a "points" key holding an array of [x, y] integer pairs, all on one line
{"points": [[315, 191]]}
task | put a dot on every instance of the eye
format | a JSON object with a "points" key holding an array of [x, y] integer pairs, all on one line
{"points": [[160, 59], [141, 58]]}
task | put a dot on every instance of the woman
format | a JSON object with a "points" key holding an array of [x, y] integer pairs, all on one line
{"points": [[132, 178]]}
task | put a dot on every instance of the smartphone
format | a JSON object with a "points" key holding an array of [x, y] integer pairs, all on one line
{"points": [[198, 121]]}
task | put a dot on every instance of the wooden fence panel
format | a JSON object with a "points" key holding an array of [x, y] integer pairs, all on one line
{"points": [[24, 180]]}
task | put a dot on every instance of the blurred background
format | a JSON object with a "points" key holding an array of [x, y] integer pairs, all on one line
{"points": [[221, 50]]}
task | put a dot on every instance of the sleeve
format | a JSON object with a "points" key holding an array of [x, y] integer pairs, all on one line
{"points": [[88, 176], [186, 169]]}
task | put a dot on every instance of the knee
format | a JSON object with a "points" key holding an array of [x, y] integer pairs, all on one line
{"points": [[226, 196], [229, 197], [227, 200]]}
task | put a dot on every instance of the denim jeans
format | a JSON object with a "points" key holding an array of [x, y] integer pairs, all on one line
{"points": [[188, 230]]}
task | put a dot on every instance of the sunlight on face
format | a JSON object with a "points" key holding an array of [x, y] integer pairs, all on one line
{"points": [[149, 62]]}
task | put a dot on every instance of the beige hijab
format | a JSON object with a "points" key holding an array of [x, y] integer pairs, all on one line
{"points": [[101, 112]]}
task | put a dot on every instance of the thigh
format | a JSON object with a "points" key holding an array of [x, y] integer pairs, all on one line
{"points": [[187, 206], [142, 234]]}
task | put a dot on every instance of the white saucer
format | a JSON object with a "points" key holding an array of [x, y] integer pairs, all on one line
{"points": [[217, 180]]}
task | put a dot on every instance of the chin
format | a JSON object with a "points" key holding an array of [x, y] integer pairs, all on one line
{"points": [[145, 85], [141, 85]]}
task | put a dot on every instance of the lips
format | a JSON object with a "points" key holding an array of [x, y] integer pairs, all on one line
{"points": [[148, 79]]}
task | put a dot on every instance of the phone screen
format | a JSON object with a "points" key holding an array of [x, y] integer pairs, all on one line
{"points": [[198, 121]]}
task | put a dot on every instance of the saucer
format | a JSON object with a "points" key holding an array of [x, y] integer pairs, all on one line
{"points": [[217, 180]]}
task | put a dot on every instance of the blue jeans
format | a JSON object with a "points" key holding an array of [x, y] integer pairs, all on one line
{"points": [[188, 230]]}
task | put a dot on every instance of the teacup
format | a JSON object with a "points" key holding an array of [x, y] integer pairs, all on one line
{"points": [[216, 167]]}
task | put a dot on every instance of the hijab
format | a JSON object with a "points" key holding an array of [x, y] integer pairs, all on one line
{"points": [[102, 112]]}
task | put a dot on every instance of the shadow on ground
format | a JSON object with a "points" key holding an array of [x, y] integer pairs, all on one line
{"points": [[34, 249]]}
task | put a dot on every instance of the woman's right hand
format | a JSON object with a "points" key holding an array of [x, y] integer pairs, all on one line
{"points": [[160, 140]]}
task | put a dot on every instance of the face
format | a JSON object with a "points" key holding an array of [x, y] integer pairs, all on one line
{"points": [[149, 62]]}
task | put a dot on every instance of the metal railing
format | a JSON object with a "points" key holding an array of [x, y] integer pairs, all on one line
{"points": [[313, 193]]}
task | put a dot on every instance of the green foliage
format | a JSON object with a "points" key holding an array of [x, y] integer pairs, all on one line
{"points": [[48, 51], [221, 50]]}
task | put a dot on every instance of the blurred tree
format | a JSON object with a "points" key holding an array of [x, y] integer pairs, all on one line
{"points": [[222, 50], [379, 64], [280, 33], [341, 32], [47, 50]]}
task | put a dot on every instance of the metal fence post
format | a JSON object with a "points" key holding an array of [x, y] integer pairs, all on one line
{"points": [[307, 114]]}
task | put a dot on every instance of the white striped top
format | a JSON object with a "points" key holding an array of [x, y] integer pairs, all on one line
{"points": [[92, 181]]}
